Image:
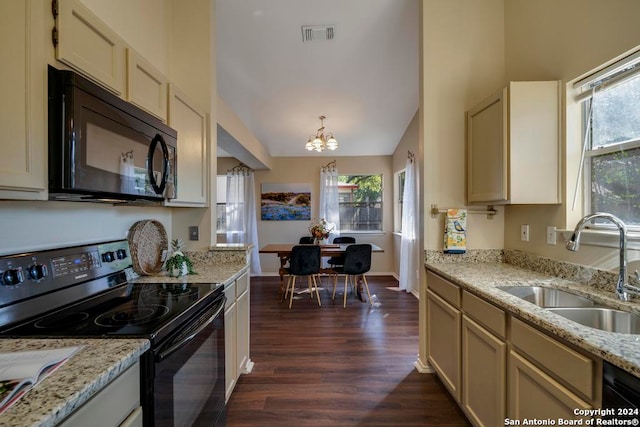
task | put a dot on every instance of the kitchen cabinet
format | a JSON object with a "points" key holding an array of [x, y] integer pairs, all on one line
{"points": [[484, 354], [146, 86], [497, 366], [534, 394], [117, 404], [89, 46], [23, 105], [513, 140], [548, 377], [191, 123], [443, 332], [236, 329]]}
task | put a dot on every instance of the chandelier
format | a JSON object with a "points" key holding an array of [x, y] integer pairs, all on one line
{"points": [[320, 141]]}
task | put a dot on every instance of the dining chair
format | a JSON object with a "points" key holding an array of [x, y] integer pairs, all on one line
{"points": [[357, 262], [306, 240], [303, 261], [335, 261]]}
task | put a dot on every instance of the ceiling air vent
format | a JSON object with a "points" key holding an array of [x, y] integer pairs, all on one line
{"points": [[318, 33]]}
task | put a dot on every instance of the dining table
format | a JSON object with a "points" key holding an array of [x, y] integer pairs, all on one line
{"points": [[283, 251]]}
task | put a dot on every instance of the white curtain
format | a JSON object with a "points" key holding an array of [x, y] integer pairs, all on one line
{"points": [[329, 207], [409, 247], [241, 212]]}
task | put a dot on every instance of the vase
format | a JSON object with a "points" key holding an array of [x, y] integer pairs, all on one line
{"points": [[178, 272]]}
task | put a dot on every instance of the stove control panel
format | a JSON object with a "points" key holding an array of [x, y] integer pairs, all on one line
{"points": [[30, 274]]}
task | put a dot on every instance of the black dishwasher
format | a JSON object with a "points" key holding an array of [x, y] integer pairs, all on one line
{"points": [[620, 393]]}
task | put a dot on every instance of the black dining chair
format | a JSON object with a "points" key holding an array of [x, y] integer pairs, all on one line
{"points": [[357, 262], [335, 261], [303, 261], [306, 240]]}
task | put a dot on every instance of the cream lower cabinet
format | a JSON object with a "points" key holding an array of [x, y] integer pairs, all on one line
{"points": [[534, 394], [117, 404], [236, 330], [443, 332], [23, 105], [497, 366], [483, 373]]}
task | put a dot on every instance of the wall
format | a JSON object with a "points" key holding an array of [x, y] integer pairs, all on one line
{"points": [[307, 170], [462, 63], [562, 40]]}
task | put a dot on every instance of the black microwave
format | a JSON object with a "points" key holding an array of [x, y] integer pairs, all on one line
{"points": [[104, 149]]}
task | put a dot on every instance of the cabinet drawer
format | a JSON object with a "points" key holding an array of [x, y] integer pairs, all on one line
{"points": [[242, 284], [230, 292], [490, 316], [445, 289], [574, 369]]}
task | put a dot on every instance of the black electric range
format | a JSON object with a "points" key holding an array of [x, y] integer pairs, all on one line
{"points": [[90, 291]]}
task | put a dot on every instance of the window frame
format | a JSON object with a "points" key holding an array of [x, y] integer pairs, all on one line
{"points": [[398, 199], [617, 73], [381, 202]]}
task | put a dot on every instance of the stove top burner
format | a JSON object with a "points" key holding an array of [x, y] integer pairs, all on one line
{"points": [[132, 316], [177, 292], [61, 320]]}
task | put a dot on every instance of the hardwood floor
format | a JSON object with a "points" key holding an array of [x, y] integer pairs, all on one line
{"points": [[331, 366]]}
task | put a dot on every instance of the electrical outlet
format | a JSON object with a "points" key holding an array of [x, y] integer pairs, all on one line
{"points": [[551, 235], [524, 232], [194, 233]]}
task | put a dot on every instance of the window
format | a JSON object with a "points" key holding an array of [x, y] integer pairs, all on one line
{"points": [[612, 147], [221, 204], [399, 195], [360, 201]]}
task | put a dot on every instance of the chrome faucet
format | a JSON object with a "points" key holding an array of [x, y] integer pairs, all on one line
{"points": [[622, 287]]}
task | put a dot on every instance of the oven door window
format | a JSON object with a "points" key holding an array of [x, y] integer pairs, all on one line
{"points": [[189, 383]]}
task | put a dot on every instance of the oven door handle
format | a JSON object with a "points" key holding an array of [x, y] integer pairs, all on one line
{"points": [[177, 346]]}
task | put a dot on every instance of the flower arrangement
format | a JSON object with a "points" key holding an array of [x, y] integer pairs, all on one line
{"points": [[178, 263], [320, 230]]}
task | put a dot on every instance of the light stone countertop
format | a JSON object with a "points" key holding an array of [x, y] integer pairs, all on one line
{"points": [[96, 364], [483, 278]]}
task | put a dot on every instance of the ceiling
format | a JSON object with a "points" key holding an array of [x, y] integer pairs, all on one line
{"points": [[364, 80]]}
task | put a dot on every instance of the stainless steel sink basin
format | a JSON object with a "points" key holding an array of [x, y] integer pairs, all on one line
{"points": [[605, 319], [548, 297]]}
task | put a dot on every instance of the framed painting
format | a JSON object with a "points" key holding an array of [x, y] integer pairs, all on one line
{"points": [[285, 202]]}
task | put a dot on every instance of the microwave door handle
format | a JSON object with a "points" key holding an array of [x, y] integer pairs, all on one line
{"points": [[159, 189]]}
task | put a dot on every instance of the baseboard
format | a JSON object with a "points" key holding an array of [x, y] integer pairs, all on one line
{"points": [[422, 368]]}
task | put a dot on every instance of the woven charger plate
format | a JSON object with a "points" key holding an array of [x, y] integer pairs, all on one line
{"points": [[147, 242]]}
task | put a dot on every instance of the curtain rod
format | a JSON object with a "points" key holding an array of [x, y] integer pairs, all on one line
{"points": [[240, 167], [410, 156], [331, 164]]}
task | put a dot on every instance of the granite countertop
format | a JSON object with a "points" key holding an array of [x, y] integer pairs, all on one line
{"points": [[97, 363], [622, 350]]}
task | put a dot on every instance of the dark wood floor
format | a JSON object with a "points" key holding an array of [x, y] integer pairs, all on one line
{"points": [[329, 366]]}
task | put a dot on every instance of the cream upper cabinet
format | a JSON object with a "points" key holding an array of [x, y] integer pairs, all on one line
{"points": [[23, 134], [513, 140], [88, 45], [191, 124], [146, 86]]}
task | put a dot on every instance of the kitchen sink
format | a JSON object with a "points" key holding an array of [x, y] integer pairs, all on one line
{"points": [[605, 319], [548, 297]]}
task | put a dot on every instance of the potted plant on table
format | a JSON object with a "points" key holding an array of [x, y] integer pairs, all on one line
{"points": [[178, 263], [320, 230]]}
